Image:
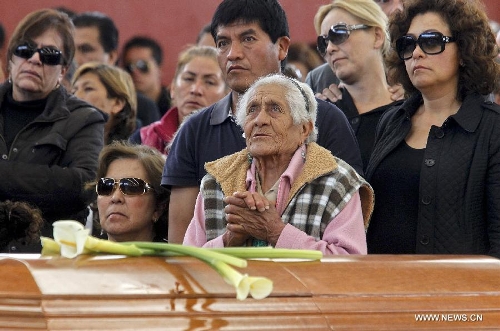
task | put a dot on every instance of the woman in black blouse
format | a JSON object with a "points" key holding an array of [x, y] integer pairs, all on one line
{"points": [[435, 167]]}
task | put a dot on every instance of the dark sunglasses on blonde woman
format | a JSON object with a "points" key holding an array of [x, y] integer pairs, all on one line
{"points": [[337, 35]]}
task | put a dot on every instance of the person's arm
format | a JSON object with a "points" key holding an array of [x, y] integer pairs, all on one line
{"points": [[196, 234], [180, 175], [180, 211], [345, 234]]}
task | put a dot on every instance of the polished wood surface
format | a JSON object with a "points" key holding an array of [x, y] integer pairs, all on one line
{"points": [[339, 293]]}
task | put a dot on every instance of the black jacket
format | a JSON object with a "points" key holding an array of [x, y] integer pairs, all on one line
{"points": [[51, 158], [459, 194]]}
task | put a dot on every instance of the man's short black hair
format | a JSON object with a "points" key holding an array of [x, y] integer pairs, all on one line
{"points": [[267, 13], [108, 33], [145, 42]]}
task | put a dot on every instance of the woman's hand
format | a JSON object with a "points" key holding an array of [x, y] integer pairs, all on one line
{"points": [[397, 92], [250, 214], [332, 93], [234, 238], [252, 201]]}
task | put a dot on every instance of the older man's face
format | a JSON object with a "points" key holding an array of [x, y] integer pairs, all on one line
{"points": [[389, 6], [245, 53]]}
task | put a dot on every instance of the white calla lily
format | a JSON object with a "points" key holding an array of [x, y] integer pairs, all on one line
{"points": [[71, 236], [234, 278], [260, 287]]}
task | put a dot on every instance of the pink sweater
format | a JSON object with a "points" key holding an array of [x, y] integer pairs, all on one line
{"points": [[345, 234]]}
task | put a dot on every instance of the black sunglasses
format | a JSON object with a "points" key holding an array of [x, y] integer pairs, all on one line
{"points": [[48, 55], [429, 42], [337, 34], [140, 65], [128, 186]]}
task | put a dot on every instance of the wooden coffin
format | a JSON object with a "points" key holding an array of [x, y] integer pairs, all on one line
{"points": [[182, 293]]}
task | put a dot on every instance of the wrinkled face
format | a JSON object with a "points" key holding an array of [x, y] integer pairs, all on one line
{"points": [[269, 128], [89, 87], [199, 84], [349, 58], [89, 48], [127, 217], [31, 79], [438, 72], [149, 78], [245, 53]]}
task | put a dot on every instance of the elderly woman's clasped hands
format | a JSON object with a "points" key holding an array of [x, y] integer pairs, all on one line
{"points": [[283, 190], [250, 214]]}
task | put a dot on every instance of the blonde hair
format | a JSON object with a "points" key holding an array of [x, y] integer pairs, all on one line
{"points": [[366, 11], [192, 52]]}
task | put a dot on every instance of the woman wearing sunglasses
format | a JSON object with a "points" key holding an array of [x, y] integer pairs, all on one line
{"points": [[50, 140], [354, 42], [112, 90], [435, 167], [131, 203]]}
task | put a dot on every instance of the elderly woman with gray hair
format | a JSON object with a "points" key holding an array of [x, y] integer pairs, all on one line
{"points": [[283, 190]]}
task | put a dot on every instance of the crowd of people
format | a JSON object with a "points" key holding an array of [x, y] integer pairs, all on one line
{"points": [[382, 140]]}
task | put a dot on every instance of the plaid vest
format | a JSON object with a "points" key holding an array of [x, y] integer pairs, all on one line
{"points": [[311, 208]]}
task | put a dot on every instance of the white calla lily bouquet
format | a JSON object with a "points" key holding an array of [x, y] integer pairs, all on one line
{"points": [[72, 239]]}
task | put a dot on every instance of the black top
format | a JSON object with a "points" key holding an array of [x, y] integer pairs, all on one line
{"points": [[393, 226], [459, 194], [364, 125], [16, 115]]}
